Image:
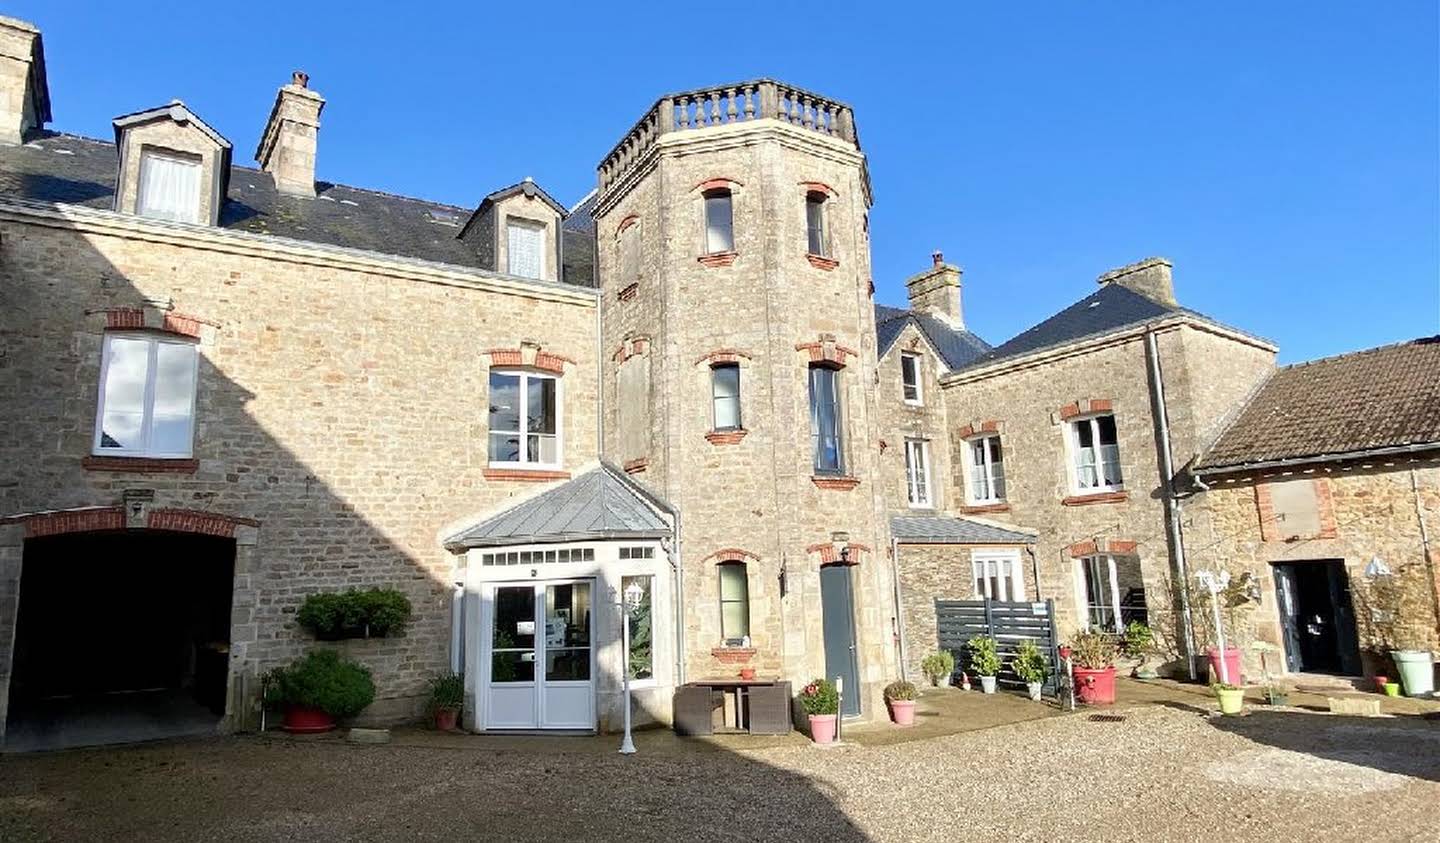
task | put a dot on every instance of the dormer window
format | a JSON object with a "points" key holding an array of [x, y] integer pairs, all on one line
{"points": [[525, 248], [169, 186]]}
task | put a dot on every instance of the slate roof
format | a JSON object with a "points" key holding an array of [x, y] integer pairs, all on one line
{"points": [[61, 168], [1387, 397], [946, 529], [602, 503], [957, 348]]}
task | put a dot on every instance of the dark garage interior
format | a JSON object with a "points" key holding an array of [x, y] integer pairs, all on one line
{"points": [[121, 636]]}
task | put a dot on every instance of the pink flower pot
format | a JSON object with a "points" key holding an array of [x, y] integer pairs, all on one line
{"points": [[1232, 665], [822, 728], [303, 720], [902, 712], [1095, 686]]}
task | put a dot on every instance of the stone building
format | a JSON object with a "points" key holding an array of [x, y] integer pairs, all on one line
{"points": [[673, 405]]}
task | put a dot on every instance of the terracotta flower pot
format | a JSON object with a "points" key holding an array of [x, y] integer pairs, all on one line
{"points": [[822, 728], [303, 720], [747, 673], [1095, 686], [902, 712], [446, 719]]}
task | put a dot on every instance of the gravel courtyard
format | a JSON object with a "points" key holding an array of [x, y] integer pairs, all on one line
{"points": [[1160, 773]]}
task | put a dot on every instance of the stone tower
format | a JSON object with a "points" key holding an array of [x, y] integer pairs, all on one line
{"points": [[734, 259]]}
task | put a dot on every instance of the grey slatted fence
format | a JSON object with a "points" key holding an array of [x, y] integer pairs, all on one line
{"points": [[958, 621]]}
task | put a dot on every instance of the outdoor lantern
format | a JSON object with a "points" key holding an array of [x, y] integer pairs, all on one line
{"points": [[634, 593]]}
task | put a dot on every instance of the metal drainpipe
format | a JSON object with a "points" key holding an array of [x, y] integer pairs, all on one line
{"points": [[1035, 569], [899, 613], [679, 605], [1172, 506]]}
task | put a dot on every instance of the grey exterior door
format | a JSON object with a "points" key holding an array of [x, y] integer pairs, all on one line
{"points": [[837, 602]]}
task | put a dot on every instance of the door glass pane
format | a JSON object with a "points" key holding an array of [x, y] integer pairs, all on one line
{"points": [[637, 593], [567, 632], [513, 637]]}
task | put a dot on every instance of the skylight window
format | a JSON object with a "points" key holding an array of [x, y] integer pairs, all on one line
{"points": [[443, 217]]}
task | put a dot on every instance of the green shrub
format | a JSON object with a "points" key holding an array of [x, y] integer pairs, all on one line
{"points": [[447, 691], [1093, 650], [375, 612], [900, 690], [820, 697], [1139, 640], [939, 666], [984, 659], [1029, 663], [321, 680]]}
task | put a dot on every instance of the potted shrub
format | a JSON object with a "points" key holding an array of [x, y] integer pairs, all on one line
{"points": [[1093, 657], [985, 661], [1415, 665], [317, 690], [938, 667], [901, 697], [1139, 644], [1232, 697], [371, 613], [447, 697], [1029, 665], [822, 704]]}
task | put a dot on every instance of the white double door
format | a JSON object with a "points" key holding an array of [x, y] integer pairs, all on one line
{"points": [[539, 656]]}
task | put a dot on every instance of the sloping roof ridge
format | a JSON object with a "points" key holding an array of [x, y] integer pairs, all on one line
{"points": [[1350, 355]]}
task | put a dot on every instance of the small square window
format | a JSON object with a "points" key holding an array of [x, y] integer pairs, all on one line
{"points": [[169, 186]]}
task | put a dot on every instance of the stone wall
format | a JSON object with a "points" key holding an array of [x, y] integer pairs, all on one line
{"points": [[341, 405], [900, 421], [1368, 511]]}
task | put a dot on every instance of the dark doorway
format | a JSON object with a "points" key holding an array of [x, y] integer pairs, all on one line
{"points": [[120, 636], [837, 605], [1317, 616]]}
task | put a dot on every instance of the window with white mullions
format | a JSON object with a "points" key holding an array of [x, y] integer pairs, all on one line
{"points": [[987, 470], [917, 472], [1111, 591], [725, 392], [524, 420], [997, 576], [147, 396], [910, 377], [1097, 454]]}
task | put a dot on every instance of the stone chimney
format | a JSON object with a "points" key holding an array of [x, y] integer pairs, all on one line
{"points": [[24, 94], [1150, 278], [287, 147], [937, 291]]}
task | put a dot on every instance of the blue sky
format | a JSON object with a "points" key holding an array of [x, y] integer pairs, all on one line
{"points": [[1285, 155]]}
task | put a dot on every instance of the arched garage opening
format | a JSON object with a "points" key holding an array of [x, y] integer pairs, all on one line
{"points": [[121, 635]]}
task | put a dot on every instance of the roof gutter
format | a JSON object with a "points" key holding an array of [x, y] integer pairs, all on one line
{"points": [[1337, 456]]}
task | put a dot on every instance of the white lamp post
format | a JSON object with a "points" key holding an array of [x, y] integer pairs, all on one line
{"points": [[1215, 583], [632, 596]]}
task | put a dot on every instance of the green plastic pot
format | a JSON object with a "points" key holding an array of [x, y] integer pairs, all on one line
{"points": [[1417, 671], [1392, 689], [1232, 700]]}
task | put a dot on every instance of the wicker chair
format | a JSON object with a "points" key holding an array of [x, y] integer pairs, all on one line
{"points": [[770, 709], [694, 710]]}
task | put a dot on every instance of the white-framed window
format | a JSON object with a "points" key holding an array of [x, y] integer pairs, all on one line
{"points": [[147, 396], [826, 433], [525, 248], [985, 469], [169, 186], [997, 575], [524, 419], [910, 377], [725, 392], [1111, 592], [917, 472], [639, 592], [815, 241], [1095, 446], [734, 603], [719, 222]]}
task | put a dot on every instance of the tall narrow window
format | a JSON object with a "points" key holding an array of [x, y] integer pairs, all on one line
{"points": [[910, 377], [147, 396], [630, 254], [637, 592], [825, 431], [1112, 592], [524, 420], [169, 187], [917, 472], [815, 225], [719, 229], [725, 389], [987, 470], [734, 603], [1097, 454], [525, 249]]}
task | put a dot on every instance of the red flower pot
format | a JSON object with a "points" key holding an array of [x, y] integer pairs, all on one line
{"points": [[747, 673], [1380, 683], [446, 719], [1233, 673], [1095, 686], [902, 712], [822, 728], [303, 720]]}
